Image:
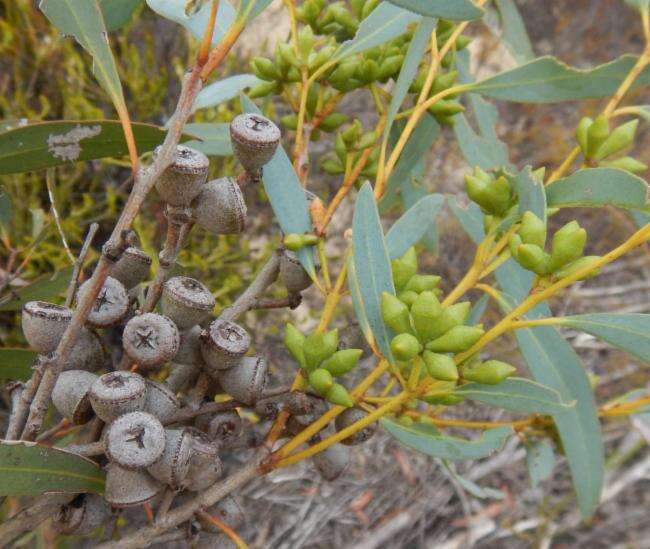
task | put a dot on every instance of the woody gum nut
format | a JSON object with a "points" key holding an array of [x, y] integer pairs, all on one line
{"points": [[132, 267], [223, 427], [87, 353], [246, 381], [150, 339], [183, 179], [220, 208], [189, 350], [117, 393], [134, 440], [302, 405], [205, 466], [332, 462], [349, 417], [127, 488], [173, 464], [186, 301], [161, 401], [82, 515], [111, 303], [254, 140], [181, 376], [292, 274], [43, 324], [223, 345], [228, 510], [70, 395]]}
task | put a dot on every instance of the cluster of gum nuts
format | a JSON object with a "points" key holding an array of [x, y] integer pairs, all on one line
{"points": [[146, 442]]}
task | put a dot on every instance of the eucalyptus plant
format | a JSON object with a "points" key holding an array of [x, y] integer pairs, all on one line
{"points": [[136, 387]]}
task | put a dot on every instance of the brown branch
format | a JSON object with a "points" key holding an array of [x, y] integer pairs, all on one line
{"points": [[78, 264]]}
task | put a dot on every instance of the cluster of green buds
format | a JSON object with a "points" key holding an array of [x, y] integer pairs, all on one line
{"points": [[598, 143], [297, 241], [321, 361], [429, 334], [349, 144], [335, 18], [567, 248], [494, 194]]}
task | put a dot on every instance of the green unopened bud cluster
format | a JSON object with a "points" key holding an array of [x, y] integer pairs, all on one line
{"points": [[567, 247], [349, 145], [599, 142], [321, 361], [297, 241], [494, 194]]}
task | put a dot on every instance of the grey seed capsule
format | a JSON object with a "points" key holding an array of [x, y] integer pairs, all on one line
{"points": [[117, 393], [189, 350], [70, 395], [307, 407], [174, 463], [347, 418], [135, 440], [181, 376], [150, 339], [161, 401], [183, 179], [254, 140], [228, 510], [87, 353], [269, 408], [223, 345], [82, 515], [246, 381], [205, 466], [131, 268], [223, 427], [332, 462], [127, 488], [220, 208], [43, 324], [186, 301], [292, 274], [110, 306]]}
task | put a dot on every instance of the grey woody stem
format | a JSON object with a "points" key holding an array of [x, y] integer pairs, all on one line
{"points": [[78, 264]]}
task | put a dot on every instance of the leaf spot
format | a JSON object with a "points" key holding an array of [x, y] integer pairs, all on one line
{"points": [[67, 146]]}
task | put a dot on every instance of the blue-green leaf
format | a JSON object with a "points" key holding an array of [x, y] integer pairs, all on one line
{"points": [[540, 459], [470, 486], [287, 195], [357, 303], [223, 90], [5, 208], [372, 264], [547, 80], [460, 10], [518, 395], [44, 288], [117, 12], [258, 6], [513, 33], [16, 363], [428, 440], [595, 187], [627, 331], [531, 193], [470, 217], [214, 139], [413, 225], [478, 309]]}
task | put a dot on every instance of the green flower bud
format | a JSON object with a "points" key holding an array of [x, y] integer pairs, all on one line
{"points": [[344, 72], [341, 362], [439, 393], [288, 55], [343, 17], [456, 340], [340, 148], [357, 7], [444, 81], [532, 230], [306, 41], [418, 82], [294, 340], [332, 166], [264, 68], [405, 347], [294, 241], [621, 138], [352, 133], [421, 283], [317, 347], [332, 121], [476, 190], [483, 175], [440, 367], [452, 316], [408, 297], [626, 163], [577, 265], [321, 380], [404, 268], [444, 107], [368, 71], [405, 420], [513, 244], [317, 59], [533, 258], [596, 135], [490, 372], [367, 140], [498, 196], [263, 89], [293, 75], [390, 66], [426, 311], [395, 313], [339, 395], [290, 121], [581, 133], [567, 246]]}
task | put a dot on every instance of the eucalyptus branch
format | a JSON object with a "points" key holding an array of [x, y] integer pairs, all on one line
{"points": [[78, 264]]}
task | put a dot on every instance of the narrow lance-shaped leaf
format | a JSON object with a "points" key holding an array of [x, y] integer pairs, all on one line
{"points": [[462, 10], [531, 193], [372, 264], [30, 469], [513, 31], [43, 288], [357, 303], [470, 217], [117, 12], [16, 363], [223, 90], [213, 138], [470, 486], [540, 460]]}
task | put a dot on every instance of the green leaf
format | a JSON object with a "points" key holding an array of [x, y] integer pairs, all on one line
{"points": [[384, 23], [287, 196], [427, 439], [514, 34], [5, 208], [223, 90], [372, 264], [596, 187], [48, 144], [44, 288], [117, 12], [540, 460], [460, 10], [531, 192], [547, 80], [412, 191], [413, 225], [84, 20], [30, 469], [470, 486], [258, 7], [214, 139], [641, 219], [627, 331], [16, 363], [410, 66], [470, 217], [357, 302], [196, 23], [516, 394]]}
